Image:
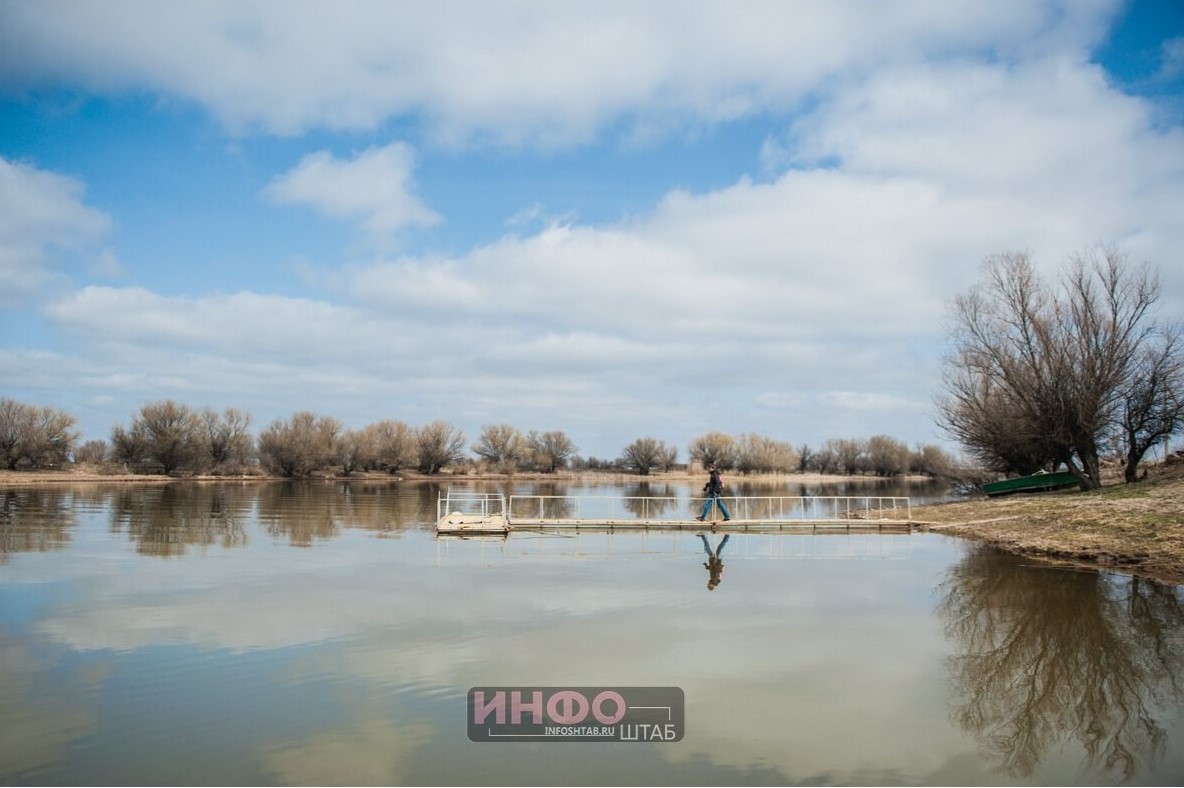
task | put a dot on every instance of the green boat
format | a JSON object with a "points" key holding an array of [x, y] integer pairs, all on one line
{"points": [[1041, 481]]}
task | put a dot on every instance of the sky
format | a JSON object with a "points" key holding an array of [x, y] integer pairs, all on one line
{"points": [[613, 219]]}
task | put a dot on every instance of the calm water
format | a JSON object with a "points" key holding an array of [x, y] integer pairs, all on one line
{"points": [[320, 633]]}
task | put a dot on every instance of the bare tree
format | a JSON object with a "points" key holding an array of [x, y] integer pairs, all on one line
{"points": [[439, 444], [887, 456], [395, 444], [502, 446], [356, 449], [302, 444], [227, 436], [1036, 375], [932, 460], [166, 433], [805, 457], [713, 448], [760, 454], [669, 457], [644, 454], [93, 451], [850, 454], [1152, 404], [549, 451], [37, 436]]}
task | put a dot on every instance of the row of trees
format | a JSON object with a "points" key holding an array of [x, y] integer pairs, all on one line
{"points": [[1046, 375], [167, 437], [880, 455]]}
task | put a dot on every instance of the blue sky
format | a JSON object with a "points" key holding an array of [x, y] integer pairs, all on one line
{"points": [[614, 219]]}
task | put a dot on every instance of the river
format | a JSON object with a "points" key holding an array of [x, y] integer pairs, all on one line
{"points": [[320, 633]]}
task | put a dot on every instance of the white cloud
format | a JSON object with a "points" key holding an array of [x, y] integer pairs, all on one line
{"points": [[1173, 58], [373, 188], [821, 292], [528, 72], [42, 219]]}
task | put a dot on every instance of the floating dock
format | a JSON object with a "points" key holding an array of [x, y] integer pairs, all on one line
{"points": [[466, 512]]}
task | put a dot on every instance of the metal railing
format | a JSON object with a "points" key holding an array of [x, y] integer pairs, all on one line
{"points": [[747, 509], [469, 502]]}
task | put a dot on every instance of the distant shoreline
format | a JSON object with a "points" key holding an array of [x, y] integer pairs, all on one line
{"points": [[1133, 528], [90, 475]]}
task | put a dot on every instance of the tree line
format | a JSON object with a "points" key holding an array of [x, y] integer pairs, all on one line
{"points": [[169, 437], [1043, 375]]}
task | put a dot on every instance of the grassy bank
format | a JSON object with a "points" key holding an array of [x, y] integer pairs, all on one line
{"points": [[1137, 528]]}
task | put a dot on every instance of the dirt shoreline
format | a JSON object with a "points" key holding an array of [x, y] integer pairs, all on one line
{"points": [[1134, 528]]}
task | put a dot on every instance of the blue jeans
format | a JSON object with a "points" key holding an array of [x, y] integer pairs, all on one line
{"points": [[719, 549], [707, 507]]}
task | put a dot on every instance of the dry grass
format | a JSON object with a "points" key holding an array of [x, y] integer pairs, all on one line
{"points": [[1138, 528]]}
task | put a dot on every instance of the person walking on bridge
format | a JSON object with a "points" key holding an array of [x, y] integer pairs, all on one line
{"points": [[714, 489]]}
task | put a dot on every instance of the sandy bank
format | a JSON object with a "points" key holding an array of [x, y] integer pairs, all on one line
{"points": [[1136, 528]]}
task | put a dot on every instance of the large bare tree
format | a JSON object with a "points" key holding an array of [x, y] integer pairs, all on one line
{"points": [[713, 448], [167, 433], [439, 444], [501, 445], [36, 436], [645, 454], [302, 444], [550, 450], [1036, 374]]}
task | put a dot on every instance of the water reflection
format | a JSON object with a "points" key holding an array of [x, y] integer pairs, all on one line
{"points": [[1056, 656], [35, 520], [166, 520], [715, 561]]}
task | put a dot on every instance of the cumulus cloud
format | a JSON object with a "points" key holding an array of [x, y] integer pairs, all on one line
{"points": [[917, 139], [373, 189], [528, 72], [820, 291], [42, 219]]}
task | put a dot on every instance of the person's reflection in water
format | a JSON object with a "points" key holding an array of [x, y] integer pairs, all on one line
{"points": [[715, 564]]}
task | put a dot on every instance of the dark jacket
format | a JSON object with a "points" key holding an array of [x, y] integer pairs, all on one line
{"points": [[715, 484]]}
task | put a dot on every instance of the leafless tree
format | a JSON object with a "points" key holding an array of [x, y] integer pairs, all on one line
{"points": [[1036, 375], [395, 444], [356, 449], [761, 454], [668, 457], [166, 433], [644, 454], [1152, 404], [550, 450], [302, 444], [805, 457], [713, 448], [932, 460], [92, 451], [502, 446], [887, 456], [227, 435], [439, 444], [849, 454], [36, 436]]}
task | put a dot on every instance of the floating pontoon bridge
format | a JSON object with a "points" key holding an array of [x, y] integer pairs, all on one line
{"points": [[468, 512]]}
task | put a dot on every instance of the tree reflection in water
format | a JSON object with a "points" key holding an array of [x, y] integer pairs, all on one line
{"points": [[35, 520], [1055, 655], [165, 520]]}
